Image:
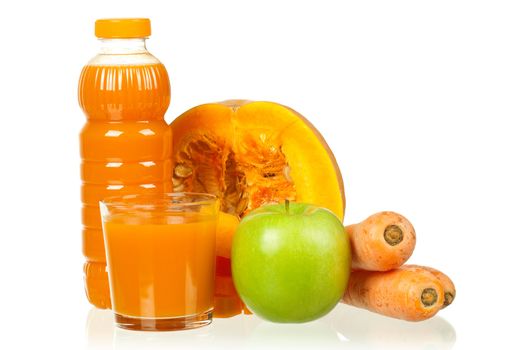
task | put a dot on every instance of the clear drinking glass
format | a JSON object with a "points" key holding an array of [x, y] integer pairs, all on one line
{"points": [[160, 251]]}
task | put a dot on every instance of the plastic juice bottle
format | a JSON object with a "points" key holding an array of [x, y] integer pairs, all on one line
{"points": [[125, 144]]}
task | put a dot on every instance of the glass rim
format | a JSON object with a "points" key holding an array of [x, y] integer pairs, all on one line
{"points": [[130, 200]]}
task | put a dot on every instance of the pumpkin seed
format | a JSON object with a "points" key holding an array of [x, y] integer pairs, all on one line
{"points": [[182, 170]]}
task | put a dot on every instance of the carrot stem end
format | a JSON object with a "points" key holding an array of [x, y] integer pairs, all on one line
{"points": [[393, 235], [449, 298], [429, 297]]}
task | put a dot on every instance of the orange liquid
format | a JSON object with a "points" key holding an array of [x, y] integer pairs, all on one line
{"points": [[159, 269], [126, 148], [227, 303]]}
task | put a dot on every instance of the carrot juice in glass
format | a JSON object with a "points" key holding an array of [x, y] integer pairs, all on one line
{"points": [[160, 251]]}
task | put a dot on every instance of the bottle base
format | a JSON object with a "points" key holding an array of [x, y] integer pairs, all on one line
{"points": [[163, 324]]}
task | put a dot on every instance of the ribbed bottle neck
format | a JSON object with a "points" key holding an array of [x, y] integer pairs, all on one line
{"points": [[122, 46], [123, 52]]}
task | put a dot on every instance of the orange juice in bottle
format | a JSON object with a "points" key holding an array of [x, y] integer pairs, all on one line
{"points": [[125, 144]]}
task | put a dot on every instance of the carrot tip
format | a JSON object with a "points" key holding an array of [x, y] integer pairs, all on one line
{"points": [[393, 235], [449, 298], [429, 296]]}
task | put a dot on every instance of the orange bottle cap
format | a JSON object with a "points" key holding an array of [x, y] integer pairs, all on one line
{"points": [[115, 28]]}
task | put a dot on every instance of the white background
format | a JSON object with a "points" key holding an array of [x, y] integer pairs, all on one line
{"points": [[423, 103]]}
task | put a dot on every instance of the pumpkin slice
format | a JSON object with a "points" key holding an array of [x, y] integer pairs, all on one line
{"points": [[254, 153], [249, 154]]}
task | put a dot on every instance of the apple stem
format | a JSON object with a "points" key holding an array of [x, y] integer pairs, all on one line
{"points": [[287, 206]]}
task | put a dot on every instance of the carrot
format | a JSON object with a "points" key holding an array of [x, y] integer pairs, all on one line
{"points": [[382, 242], [227, 306], [448, 285], [409, 293], [227, 224], [227, 303]]}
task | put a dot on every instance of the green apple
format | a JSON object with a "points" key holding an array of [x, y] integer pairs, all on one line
{"points": [[291, 262]]}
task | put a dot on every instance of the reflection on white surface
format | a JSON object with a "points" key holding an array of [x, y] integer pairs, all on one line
{"points": [[344, 327], [99, 329], [312, 335], [377, 332]]}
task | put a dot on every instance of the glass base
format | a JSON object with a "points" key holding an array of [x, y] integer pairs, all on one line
{"points": [[163, 324]]}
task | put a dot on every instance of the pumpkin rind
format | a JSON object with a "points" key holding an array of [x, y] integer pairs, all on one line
{"points": [[254, 153]]}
